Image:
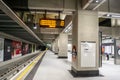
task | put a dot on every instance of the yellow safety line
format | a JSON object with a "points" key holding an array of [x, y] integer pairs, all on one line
{"points": [[29, 67]]}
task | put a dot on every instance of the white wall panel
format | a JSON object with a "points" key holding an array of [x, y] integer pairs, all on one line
{"points": [[1, 49]]}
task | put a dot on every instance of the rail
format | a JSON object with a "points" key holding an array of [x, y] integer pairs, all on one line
{"points": [[11, 69]]}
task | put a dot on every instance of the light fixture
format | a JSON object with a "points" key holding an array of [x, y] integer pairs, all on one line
{"points": [[108, 15], [68, 28], [66, 31], [97, 1], [35, 24], [115, 15]]}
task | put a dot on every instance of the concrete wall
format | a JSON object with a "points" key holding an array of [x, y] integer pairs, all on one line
{"points": [[110, 31], [52, 4], [112, 4], [106, 30]]}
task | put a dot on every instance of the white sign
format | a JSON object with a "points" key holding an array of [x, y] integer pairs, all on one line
{"points": [[88, 54], [118, 51], [108, 41]]}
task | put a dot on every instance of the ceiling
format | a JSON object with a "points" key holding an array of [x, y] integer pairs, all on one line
{"points": [[9, 26], [23, 27], [28, 14], [13, 25]]}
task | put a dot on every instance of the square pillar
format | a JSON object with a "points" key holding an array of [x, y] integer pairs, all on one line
{"points": [[53, 45], [85, 45], [56, 46], [32, 48], [117, 52], [35, 47], [62, 45]]}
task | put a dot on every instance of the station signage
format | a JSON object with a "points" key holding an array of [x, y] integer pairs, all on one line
{"points": [[52, 23], [107, 41]]}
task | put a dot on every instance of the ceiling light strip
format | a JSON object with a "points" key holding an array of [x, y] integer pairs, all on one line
{"points": [[99, 4], [87, 4], [67, 27]]}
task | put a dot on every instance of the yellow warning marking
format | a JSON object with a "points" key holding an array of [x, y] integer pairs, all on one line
{"points": [[25, 71], [29, 67]]}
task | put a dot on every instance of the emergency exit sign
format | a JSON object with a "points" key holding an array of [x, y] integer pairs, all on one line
{"points": [[52, 23]]}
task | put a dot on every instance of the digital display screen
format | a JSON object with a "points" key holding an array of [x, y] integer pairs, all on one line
{"points": [[52, 23]]}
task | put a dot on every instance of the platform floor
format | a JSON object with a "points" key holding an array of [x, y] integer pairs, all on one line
{"points": [[52, 68]]}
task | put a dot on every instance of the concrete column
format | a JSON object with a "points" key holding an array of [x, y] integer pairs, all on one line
{"points": [[63, 45], [32, 48], [85, 51], [56, 46], [53, 46], [117, 52], [35, 47]]}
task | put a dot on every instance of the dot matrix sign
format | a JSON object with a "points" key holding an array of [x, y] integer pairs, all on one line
{"points": [[51, 23]]}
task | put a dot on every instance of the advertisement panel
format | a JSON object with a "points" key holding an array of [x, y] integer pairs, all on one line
{"points": [[25, 48], [17, 46]]}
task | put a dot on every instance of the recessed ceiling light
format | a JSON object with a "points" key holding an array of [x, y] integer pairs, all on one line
{"points": [[108, 15], [35, 26], [97, 1]]}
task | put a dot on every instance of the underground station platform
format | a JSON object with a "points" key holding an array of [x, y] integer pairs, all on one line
{"points": [[46, 65]]}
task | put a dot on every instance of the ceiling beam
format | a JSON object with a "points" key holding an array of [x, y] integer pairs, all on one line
{"points": [[20, 32], [4, 35], [92, 4], [7, 21], [4, 18], [10, 26]]}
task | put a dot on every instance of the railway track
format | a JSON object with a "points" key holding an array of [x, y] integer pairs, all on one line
{"points": [[7, 71]]}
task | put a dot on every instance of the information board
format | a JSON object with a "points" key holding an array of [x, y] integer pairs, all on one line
{"points": [[88, 54], [51, 23]]}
